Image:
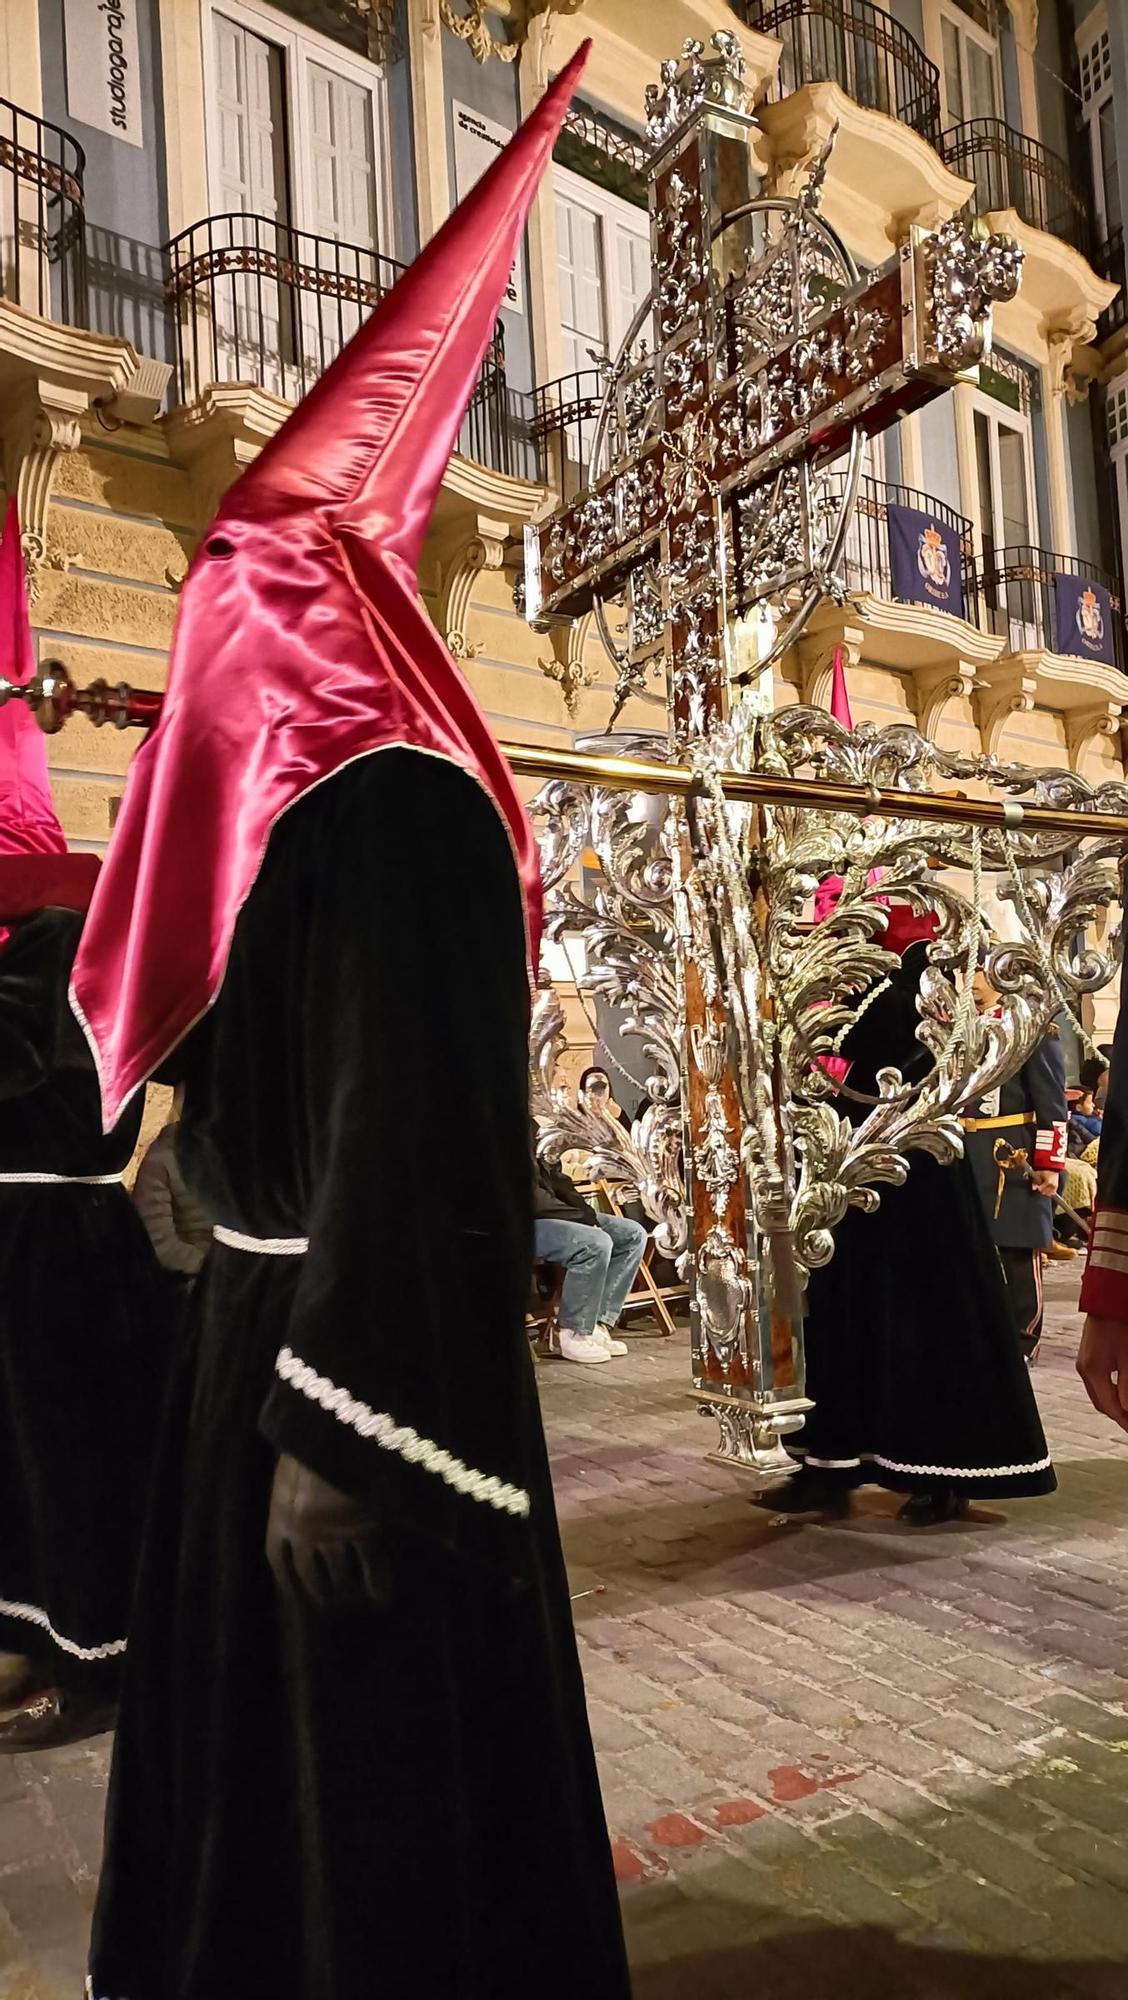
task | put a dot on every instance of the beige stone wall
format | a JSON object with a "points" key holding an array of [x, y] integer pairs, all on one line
{"points": [[104, 601], [119, 538]]}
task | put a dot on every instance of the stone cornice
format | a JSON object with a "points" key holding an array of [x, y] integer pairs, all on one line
{"points": [[222, 432], [51, 378], [619, 69], [883, 176], [1060, 291]]}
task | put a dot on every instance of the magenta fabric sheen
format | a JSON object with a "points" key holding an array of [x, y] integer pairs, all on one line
{"points": [[29, 823], [301, 643]]}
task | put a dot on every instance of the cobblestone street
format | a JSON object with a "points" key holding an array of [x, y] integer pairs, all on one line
{"points": [[837, 1761]]}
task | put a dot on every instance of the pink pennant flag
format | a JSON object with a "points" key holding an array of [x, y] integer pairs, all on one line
{"points": [[830, 888], [28, 821], [839, 698]]}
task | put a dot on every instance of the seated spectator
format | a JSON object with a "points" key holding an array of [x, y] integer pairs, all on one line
{"points": [[179, 1228], [594, 1094], [600, 1255], [1084, 1123]]}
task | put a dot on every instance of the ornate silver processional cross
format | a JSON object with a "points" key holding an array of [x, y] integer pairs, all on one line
{"points": [[712, 522]]}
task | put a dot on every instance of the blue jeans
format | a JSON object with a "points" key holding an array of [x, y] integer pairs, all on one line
{"points": [[600, 1266]]}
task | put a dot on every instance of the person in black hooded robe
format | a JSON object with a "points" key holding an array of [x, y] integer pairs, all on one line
{"points": [[353, 1760], [916, 1377], [83, 1338]]}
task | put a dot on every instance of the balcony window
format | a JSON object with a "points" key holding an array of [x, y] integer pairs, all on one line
{"points": [[857, 45], [969, 71], [603, 261], [42, 217], [1004, 473], [603, 267], [1099, 114], [1116, 415], [296, 145]]}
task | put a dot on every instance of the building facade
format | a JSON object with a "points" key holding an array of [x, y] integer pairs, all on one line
{"points": [[200, 199]]}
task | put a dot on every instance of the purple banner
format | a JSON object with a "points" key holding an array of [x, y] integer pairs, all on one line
{"points": [[1084, 618], [924, 560]]}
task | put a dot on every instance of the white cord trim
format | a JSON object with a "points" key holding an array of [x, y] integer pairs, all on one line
{"points": [[400, 1438], [964, 1471], [266, 1246], [35, 1616], [61, 1180], [927, 1471]]}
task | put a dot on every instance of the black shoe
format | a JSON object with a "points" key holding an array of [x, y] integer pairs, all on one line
{"points": [[52, 1717], [932, 1510], [809, 1491]]}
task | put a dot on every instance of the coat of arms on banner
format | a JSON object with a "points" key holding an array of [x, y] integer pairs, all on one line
{"points": [[1090, 618], [933, 560]]}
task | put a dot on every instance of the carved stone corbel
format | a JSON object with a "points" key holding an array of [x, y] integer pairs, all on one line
{"points": [[567, 667], [1067, 342], [36, 434], [218, 436], [1009, 690], [458, 576], [1024, 14], [934, 687], [473, 29], [1084, 725]]}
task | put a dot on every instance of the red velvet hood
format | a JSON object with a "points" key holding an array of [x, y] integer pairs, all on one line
{"points": [[906, 926], [301, 643]]}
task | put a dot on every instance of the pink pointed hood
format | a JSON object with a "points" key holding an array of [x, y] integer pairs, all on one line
{"points": [[28, 821], [301, 643], [36, 870]]}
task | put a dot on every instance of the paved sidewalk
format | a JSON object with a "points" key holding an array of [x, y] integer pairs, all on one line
{"points": [[837, 1761]]}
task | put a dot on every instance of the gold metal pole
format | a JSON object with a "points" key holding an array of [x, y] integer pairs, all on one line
{"points": [[765, 788]]}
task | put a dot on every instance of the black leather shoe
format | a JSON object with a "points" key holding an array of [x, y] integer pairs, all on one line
{"points": [[808, 1492], [52, 1717], [932, 1510]]}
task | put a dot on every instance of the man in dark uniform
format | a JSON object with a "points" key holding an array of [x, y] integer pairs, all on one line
{"points": [[1016, 1142]]}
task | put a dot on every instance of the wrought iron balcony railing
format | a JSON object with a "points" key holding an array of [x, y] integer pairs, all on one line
{"points": [[564, 414], [857, 45], [1017, 587], [1012, 171], [867, 564], [42, 220], [255, 300], [1109, 262]]}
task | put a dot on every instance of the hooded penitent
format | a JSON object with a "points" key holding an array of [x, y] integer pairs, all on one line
{"points": [[36, 872], [301, 643]]}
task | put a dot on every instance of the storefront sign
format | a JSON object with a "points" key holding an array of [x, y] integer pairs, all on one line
{"points": [[103, 70], [477, 142]]}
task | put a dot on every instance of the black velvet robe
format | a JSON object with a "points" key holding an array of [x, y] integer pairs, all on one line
{"points": [[372, 1803], [83, 1345], [912, 1358]]}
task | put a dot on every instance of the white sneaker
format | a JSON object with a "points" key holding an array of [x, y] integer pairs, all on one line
{"points": [[582, 1347], [608, 1342]]}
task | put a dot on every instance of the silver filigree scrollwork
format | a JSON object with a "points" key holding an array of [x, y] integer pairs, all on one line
{"points": [[691, 82], [624, 926], [968, 272]]}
